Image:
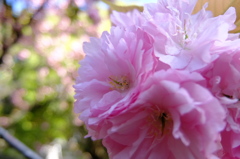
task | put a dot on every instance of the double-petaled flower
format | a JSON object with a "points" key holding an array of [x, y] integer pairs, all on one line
{"points": [[164, 83]]}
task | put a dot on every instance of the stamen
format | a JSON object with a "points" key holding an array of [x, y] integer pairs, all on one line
{"points": [[228, 96], [163, 118], [119, 83], [160, 123]]}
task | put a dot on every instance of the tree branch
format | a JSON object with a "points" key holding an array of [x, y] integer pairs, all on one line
{"points": [[17, 30]]}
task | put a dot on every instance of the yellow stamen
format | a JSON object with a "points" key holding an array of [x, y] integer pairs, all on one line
{"points": [[119, 83]]}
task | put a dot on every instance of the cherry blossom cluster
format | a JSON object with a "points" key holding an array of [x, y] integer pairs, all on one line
{"points": [[163, 84]]}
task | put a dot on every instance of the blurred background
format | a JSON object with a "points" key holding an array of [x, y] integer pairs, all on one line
{"points": [[40, 47]]}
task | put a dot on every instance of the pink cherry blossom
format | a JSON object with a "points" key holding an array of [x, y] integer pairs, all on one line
{"points": [[164, 83], [224, 82], [128, 19], [173, 118], [231, 135], [183, 40], [110, 75], [224, 77]]}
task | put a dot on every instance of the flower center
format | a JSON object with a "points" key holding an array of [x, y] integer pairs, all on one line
{"points": [[160, 123], [185, 34], [235, 96], [119, 83]]}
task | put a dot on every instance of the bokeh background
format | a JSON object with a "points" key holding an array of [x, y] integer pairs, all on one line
{"points": [[40, 48]]}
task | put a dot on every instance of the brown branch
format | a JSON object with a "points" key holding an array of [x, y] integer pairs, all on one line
{"points": [[17, 30]]}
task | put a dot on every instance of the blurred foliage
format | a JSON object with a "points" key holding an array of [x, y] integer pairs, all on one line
{"points": [[40, 47]]}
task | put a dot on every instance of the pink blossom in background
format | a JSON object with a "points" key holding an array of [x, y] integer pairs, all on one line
{"points": [[114, 68], [173, 118], [186, 41], [182, 40]]}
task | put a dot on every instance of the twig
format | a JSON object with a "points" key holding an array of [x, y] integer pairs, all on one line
{"points": [[17, 29]]}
